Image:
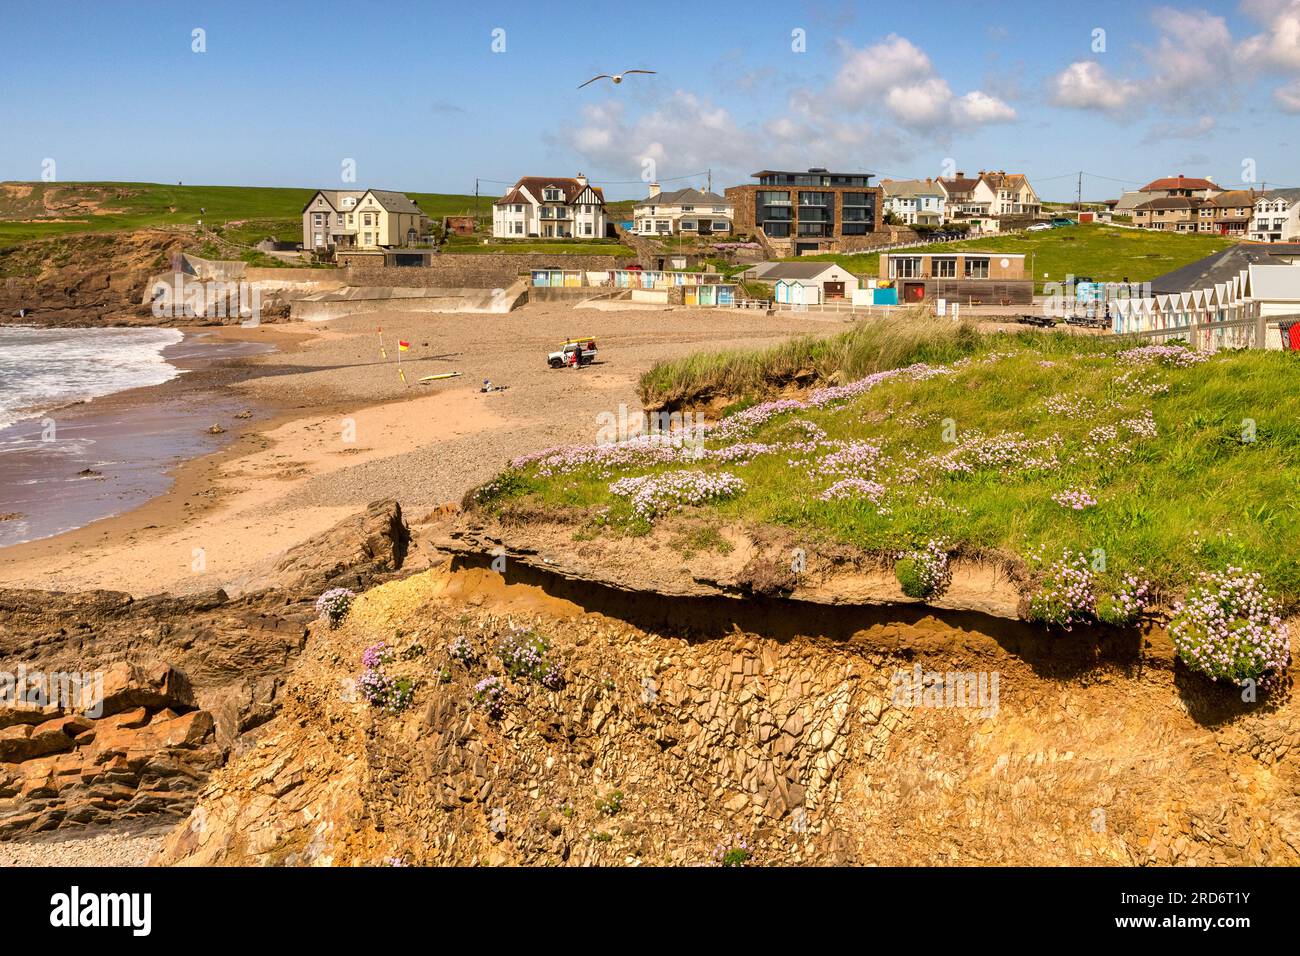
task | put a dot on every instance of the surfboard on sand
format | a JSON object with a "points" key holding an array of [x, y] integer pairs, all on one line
{"points": [[440, 375]]}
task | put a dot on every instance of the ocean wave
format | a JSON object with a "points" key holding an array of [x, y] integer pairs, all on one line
{"points": [[43, 369]]}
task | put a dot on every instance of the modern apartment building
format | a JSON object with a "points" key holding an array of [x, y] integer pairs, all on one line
{"points": [[812, 211]]}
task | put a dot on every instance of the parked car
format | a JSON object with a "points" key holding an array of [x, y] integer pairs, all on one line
{"points": [[1060, 222], [575, 352], [1039, 227]]}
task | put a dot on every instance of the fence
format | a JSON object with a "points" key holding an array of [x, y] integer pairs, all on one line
{"points": [[1241, 326]]}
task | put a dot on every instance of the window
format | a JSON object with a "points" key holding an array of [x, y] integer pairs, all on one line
{"points": [[551, 195], [688, 224], [977, 268], [688, 209], [943, 267], [586, 229], [905, 267]]}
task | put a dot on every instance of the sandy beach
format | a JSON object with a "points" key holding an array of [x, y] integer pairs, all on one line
{"points": [[334, 427]]}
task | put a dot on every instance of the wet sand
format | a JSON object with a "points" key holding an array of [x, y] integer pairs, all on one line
{"points": [[335, 428]]}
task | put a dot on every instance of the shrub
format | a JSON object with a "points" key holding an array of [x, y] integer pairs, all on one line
{"points": [[610, 805], [489, 696], [522, 653], [733, 852], [378, 687], [924, 572], [461, 650], [1125, 606], [1229, 628], [1066, 595], [334, 605]]}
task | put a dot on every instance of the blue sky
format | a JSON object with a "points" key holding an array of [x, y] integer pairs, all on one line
{"points": [[416, 96]]}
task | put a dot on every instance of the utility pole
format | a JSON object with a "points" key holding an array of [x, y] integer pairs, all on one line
{"points": [[1078, 202], [476, 199], [710, 180]]}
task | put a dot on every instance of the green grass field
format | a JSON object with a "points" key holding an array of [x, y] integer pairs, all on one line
{"points": [[241, 214], [1193, 465], [1101, 252]]}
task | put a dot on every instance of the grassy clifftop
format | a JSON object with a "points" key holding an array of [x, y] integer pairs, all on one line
{"points": [[1117, 471], [245, 213]]}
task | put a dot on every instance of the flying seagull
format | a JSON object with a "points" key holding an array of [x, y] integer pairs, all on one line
{"points": [[616, 78]]}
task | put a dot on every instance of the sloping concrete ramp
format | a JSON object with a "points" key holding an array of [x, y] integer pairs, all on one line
{"points": [[363, 299]]}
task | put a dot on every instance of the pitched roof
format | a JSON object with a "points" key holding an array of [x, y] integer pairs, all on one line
{"points": [[1171, 202], [1001, 180], [1223, 266], [1177, 182], [959, 185], [679, 196], [1233, 198], [334, 197], [911, 188], [775, 271], [570, 188], [1290, 195], [395, 202]]}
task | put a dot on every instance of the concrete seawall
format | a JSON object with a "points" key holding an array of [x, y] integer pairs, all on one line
{"points": [[365, 299]]}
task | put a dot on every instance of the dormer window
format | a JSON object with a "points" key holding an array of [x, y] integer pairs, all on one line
{"points": [[552, 195]]}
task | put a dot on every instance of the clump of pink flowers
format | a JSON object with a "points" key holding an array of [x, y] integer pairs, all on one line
{"points": [[924, 572], [1125, 606], [654, 495], [854, 489], [1075, 499], [1229, 628], [490, 696], [1066, 596], [1172, 355], [733, 852]]}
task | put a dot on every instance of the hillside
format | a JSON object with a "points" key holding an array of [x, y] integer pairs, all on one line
{"points": [[246, 214], [1104, 253], [1105, 480]]}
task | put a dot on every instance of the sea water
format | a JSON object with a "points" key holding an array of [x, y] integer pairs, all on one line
{"points": [[42, 369]]}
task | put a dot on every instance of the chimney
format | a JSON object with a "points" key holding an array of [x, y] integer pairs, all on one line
{"points": [[654, 190], [581, 179], [960, 174]]}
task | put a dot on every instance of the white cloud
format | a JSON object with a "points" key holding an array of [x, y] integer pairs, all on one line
{"points": [[1195, 52], [1279, 44], [1288, 97], [877, 69], [898, 74], [1085, 85]]}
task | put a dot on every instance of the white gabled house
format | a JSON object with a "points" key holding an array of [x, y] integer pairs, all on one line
{"points": [[550, 208], [915, 202], [682, 212], [1276, 216]]}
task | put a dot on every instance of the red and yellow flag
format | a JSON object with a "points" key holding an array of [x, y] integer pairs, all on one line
{"points": [[403, 346]]}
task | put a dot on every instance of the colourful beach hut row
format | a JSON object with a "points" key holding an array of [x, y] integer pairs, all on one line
{"points": [[558, 278], [659, 279], [714, 294]]}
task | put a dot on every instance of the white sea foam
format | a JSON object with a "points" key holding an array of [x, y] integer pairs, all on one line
{"points": [[46, 368]]}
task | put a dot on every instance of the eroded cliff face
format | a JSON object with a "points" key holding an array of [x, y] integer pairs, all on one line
{"points": [[660, 745], [176, 685]]}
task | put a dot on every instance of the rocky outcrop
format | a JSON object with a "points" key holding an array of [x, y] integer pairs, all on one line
{"points": [[656, 748], [177, 684], [141, 753]]}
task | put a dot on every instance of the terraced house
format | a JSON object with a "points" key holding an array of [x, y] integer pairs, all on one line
{"points": [[1169, 214], [368, 219], [689, 212], [1276, 217], [1227, 213], [543, 207], [812, 211]]}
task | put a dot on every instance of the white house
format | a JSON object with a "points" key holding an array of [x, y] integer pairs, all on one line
{"points": [[967, 196], [550, 208], [1276, 217], [915, 202], [806, 283], [688, 212]]}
